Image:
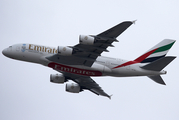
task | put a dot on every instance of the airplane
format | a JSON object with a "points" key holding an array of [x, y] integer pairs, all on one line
{"points": [[84, 60]]}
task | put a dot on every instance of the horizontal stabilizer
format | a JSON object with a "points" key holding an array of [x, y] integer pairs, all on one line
{"points": [[158, 65], [157, 79]]}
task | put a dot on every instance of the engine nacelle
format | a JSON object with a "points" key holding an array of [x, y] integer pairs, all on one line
{"points": [[86, 40], [57, 78], [73, 88], [65, 51]]}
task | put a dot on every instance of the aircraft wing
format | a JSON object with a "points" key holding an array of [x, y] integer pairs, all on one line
{"points": [[87, 83], [90, 84], [86, 54], [103, 41]]}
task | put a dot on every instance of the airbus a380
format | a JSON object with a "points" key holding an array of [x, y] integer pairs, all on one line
{"points": [[82, 61]]}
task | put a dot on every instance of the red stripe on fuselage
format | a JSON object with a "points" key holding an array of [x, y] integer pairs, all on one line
{"points": [[138, 60], [126, 64], [144, 56], [74, 70]]}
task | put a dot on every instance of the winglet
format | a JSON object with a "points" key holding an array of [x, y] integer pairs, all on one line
{"points": [[134, 21], [110, 96]]}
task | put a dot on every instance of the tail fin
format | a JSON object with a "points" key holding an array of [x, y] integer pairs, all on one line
{"points": [[157, 52]]}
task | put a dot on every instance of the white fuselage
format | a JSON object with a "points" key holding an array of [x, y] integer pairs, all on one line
{"points": [[103, 66]]}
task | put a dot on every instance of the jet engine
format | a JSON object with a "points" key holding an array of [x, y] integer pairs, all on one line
{"points": [[66, 51], [86, 40], [57, 78], [73, 88]]}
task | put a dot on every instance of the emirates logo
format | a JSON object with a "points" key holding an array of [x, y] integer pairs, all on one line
{"points": [[74, 70]]}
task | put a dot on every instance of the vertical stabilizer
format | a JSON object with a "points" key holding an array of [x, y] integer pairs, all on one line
{"points": [[156, 52]]}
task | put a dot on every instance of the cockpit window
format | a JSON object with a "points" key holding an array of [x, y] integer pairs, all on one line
{"points": [[10, 46]]}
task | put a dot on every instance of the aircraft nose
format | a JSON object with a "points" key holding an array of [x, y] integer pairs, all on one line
{"points": [[4, 52]]}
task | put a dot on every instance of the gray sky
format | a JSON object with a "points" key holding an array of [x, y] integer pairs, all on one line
{"points": [[25, 89]]}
